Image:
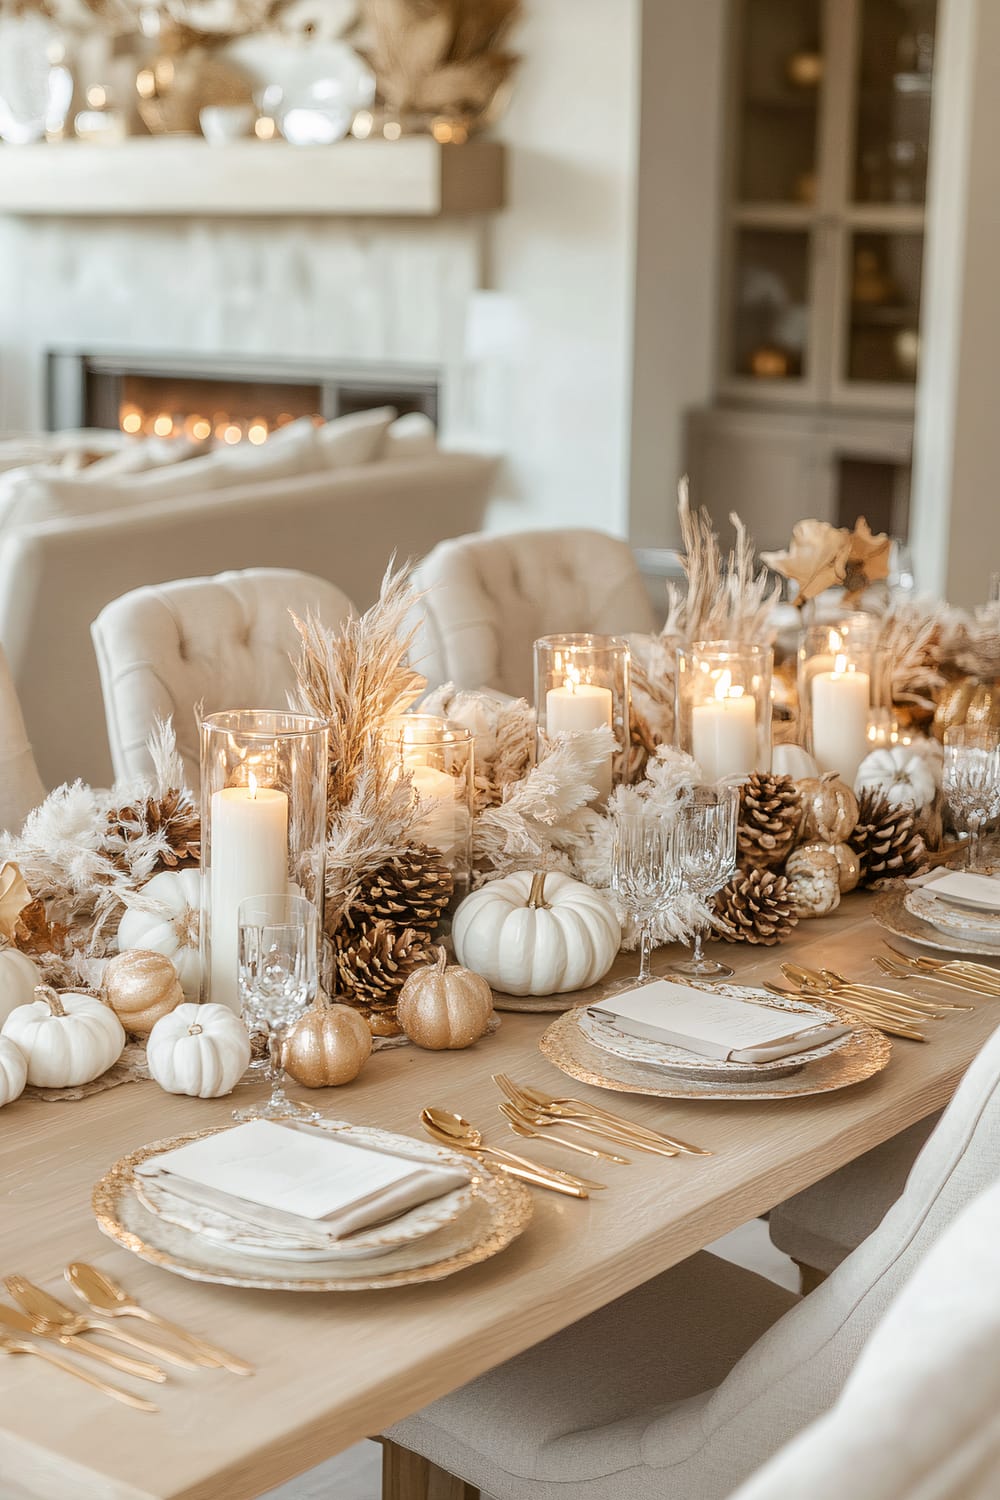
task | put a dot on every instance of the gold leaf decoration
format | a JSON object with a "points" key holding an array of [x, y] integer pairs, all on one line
{"points": [[816, 558]]}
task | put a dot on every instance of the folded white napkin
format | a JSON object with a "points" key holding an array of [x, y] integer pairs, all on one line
{"points": [[713, 1025], [296, 1179], [982, 892]]}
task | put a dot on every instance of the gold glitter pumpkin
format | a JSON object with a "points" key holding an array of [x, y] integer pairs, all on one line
{"points": [[329, 1046], [444, 1008], [141, 987], [829, 809]]}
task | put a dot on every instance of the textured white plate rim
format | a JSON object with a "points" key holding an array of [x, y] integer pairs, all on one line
{"points": [[890, 912], [972, 926]]}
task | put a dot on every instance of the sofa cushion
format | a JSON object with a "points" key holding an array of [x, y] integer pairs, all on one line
{"points": [[356, 438], [412, 435]]}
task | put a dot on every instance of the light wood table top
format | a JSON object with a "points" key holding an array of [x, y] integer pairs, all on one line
{"points": [[337, 1367]]}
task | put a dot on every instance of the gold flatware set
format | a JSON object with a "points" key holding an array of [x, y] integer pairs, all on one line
{"points": [[39, 1315], [959, 973], [889, 1010]]}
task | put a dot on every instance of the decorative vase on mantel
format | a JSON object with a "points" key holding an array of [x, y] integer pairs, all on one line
{"points": [[36, 87]]}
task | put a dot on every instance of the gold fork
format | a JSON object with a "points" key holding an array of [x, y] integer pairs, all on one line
{"points": [[857, 1010], [983, 973], [524, 1126], [896, 971], [22, 1346], [592, 1117]]}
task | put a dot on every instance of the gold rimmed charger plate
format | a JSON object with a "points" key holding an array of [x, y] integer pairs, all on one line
{"points": [[866, 1053], [499, 1210], [890, 912]]}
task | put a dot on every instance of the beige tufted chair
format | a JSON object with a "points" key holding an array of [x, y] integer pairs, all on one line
{"points": [[677, 1392], [223, 642], [489, 597], [21, 786]]}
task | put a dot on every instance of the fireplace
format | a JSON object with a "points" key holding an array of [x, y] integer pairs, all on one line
{"points": [[233, 399]]}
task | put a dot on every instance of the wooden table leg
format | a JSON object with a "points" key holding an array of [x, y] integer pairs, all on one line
{"points": [[407, 1476]]}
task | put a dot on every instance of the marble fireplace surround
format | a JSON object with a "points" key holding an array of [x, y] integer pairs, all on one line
{"points": [[345, 284]]}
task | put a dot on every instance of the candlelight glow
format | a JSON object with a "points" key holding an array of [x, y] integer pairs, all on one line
{"points": [[572, 679], [840, 666], [723, 687], [252, 786]]}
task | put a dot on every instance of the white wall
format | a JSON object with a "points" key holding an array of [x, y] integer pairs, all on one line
{"points": [[563, 253]]}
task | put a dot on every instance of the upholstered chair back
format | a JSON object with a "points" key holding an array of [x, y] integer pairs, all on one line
{"points": [[20, 784], [919, 1417], [489, 597], [223, 642], [797, 1369]]}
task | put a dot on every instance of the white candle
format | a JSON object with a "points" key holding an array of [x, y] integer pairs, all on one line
{"points": [[444, 821], [577, 706], [249, 858], [724, 731], [840, 709]]}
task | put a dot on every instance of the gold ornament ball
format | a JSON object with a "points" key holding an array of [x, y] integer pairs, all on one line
{"points": [[328, 1047], [813, 874], [848, 863], [444, 1009], [141, 987], [829, 809]]}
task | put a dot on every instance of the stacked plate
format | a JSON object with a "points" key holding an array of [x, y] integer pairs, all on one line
{"points": [[960, 906], [198, 1234]]}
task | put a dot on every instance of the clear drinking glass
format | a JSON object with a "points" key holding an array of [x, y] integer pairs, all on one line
{"points": [[645, 878], [278, 945], [705, 846], [971, 782]]}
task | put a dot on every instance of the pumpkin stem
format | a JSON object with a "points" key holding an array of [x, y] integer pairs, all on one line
{"points": [[51, 997], [194, 1029], [442, 960], [536, 896]]}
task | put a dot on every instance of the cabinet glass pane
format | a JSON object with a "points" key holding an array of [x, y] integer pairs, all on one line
{"points": [[883, 339], [780, 69], [895, 64], [771, 295]]}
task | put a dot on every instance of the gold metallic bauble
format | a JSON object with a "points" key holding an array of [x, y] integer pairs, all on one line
{"points": [[967, 701], [329, 1046], [813, 880], [444, 1008], [141, 987], [829, 809], [848, 864]]}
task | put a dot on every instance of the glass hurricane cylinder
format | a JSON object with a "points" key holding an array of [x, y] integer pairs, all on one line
{"points": [[582, 682], [263, 827], [440, 757], [722, 711], [845, 696]]}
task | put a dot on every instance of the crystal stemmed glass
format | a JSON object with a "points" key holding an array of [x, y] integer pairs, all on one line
{"points": [[971, 781], [645, 878], [278, 950], [705, 846]]}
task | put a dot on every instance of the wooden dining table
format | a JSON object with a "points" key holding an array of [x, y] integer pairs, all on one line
{"points": [[332, 1368]]}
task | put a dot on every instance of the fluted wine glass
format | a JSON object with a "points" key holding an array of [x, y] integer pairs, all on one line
{"points": [[705, 845], [278, 952], [645, 878], [971, 781]]}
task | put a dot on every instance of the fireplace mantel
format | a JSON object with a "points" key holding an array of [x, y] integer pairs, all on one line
{"points": [[171, 176]]}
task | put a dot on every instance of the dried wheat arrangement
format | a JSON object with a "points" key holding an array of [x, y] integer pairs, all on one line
{"points": [[440, 57]]}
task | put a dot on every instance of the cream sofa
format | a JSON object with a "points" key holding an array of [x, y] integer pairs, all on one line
{"points": [[343, 525]]}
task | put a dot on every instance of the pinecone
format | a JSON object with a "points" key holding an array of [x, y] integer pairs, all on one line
{"points": [[886, 839], [755, 907], [374, 958], [770, 811], [412, 889], [173, 817]]}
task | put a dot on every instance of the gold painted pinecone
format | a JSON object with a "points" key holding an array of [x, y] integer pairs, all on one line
{"points": [[174, 816], [374, 958], [755, 907], [886, 839], [412, 889], [770, 812]]}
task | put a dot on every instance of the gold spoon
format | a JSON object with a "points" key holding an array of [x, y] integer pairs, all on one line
{"points": [[455, 1131], [526, 1128]]}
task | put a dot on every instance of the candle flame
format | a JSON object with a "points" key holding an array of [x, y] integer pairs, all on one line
{"points": [[252, 786], [840, 664], [572, 679], [724, 686]]}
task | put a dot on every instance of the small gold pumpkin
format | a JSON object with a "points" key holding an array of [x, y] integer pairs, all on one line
{"points": [[829, 809], [141, 987], [328, 1046], [967, 701], [444, 1008], [848, 864]]}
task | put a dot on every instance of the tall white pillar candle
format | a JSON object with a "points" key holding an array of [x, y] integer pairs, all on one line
{"points": [[578, 706], [249, 858], [444, 820], [840, 709], [724, 736]]}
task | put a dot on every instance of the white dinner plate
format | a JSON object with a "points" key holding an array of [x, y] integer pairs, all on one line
{"points": [[954, 921]]}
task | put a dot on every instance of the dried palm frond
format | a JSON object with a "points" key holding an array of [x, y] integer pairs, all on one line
{"points": [[355, 677], [440, 56], [910, 636], [728, 598]]}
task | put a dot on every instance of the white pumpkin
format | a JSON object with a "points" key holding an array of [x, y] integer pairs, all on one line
{"points": [[201, 1050], [903, 776], [18, 978], [792, 760], [171, 928], [67, 1038], [13, 1071], [537, 934]]}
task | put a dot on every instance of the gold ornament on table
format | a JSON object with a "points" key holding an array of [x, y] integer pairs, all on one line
{"points": [[887, 839], [754, 907], [769, 818], [829, 809], [141, 987], [445, 1007], [848, 863], [328, 1047], [813, 875]]}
